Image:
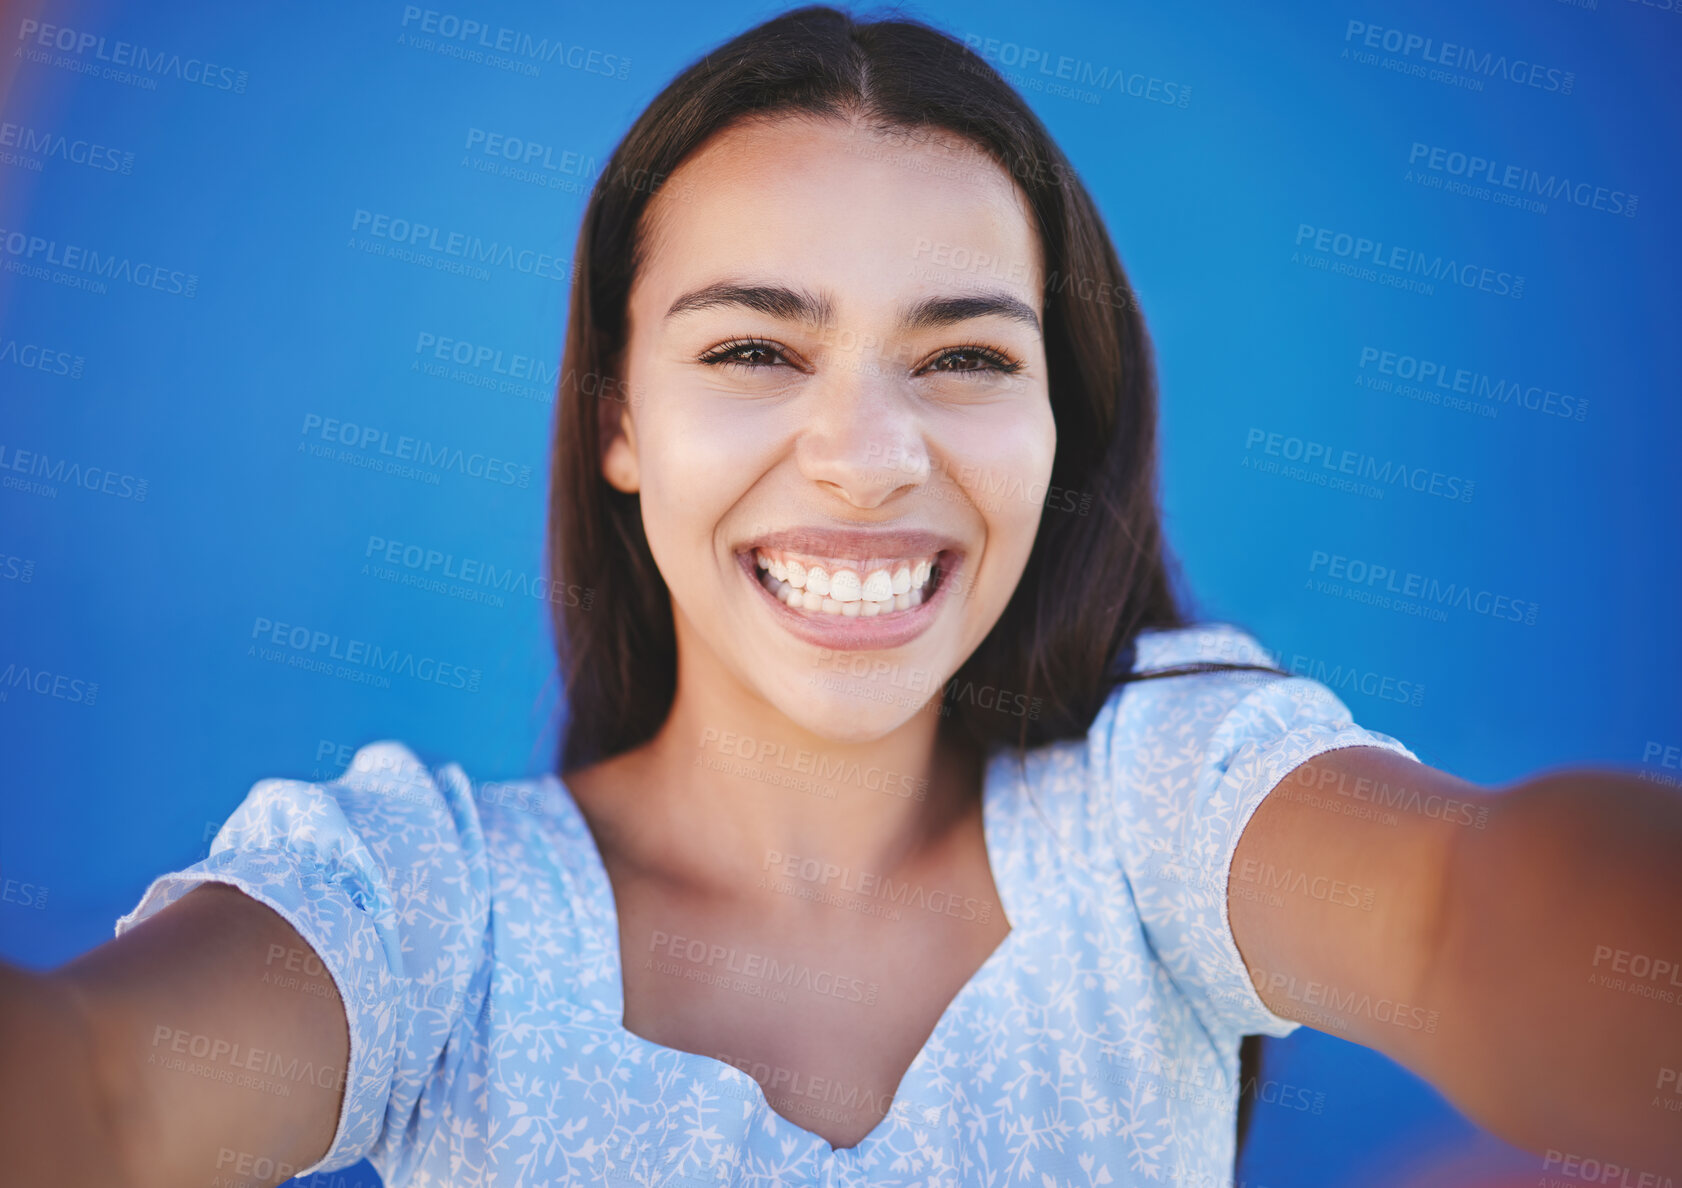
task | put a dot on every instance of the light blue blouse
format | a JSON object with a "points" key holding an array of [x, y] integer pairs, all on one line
{"points": [[471, 931]]}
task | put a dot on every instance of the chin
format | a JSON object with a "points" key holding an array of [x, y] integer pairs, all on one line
{"points": [[848, 709]]}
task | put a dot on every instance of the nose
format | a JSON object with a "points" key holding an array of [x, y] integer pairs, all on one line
{"points": [[863, 440]]}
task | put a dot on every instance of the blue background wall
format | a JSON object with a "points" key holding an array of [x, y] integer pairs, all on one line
{"points": [[270, 302]]}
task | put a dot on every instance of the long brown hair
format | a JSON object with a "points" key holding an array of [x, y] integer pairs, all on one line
{"points": [[1099, 571]]}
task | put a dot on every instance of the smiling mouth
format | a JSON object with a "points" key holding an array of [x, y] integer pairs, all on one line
{"points": [[825, 587]]}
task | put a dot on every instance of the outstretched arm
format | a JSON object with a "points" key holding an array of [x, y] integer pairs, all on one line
{"points": [[152, 1060], [1520, 948]]}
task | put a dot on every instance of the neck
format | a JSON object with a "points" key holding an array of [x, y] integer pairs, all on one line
{"points": [[738, 788]]}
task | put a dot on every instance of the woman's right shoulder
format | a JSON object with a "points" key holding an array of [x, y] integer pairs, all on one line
{"points": [[413, 884], [386, 832], [388, 790], [423, 814], [402, 834]]}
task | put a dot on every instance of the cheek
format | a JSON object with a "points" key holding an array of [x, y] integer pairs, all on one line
{"points": [[1005, 466], [700, 438], [693, 471]]}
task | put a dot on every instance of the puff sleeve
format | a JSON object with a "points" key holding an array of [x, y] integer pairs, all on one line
{"points": [[382, 872], [1187, 760]]}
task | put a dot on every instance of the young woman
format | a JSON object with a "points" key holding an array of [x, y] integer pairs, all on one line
{"points": [[905, 833]]}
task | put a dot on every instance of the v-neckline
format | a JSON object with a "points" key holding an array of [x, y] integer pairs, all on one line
{"points": [[992, 826]]}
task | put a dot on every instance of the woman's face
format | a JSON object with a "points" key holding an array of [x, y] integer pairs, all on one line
{"points": [[841, 429]]}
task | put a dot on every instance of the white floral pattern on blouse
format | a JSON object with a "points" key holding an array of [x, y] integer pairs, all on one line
{"points": [[471, 932]]}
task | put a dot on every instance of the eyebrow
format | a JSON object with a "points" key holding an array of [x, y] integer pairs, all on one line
{"points": [[818, 309]]}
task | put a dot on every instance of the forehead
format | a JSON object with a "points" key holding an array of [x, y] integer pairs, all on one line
{"points": [[825, 202]]}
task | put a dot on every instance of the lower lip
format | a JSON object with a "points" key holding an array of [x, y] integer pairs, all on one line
{"points": [[845, 633]]}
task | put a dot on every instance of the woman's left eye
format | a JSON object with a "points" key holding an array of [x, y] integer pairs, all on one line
{"points": [[969, 360]]}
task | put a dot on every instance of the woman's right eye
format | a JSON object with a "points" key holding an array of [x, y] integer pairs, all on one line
{"points": [[750, 353]]}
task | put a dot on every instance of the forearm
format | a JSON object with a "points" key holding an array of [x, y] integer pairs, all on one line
{"points": [[1558, 979], [54, 1120], [167, 1058]]}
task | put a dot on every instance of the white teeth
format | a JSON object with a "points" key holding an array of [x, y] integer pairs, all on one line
{"points": [[844, 586], [843, 592]]}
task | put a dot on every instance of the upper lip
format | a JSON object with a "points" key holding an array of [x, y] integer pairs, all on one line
{"points": [[856, 544]]}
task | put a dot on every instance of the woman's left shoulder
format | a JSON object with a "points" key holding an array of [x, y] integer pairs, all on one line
{"points": [[1203, 670], [1174, 767], [1202, 746], [1195, 746], [1212, 641], [1212, 684], [1149, 736]]}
